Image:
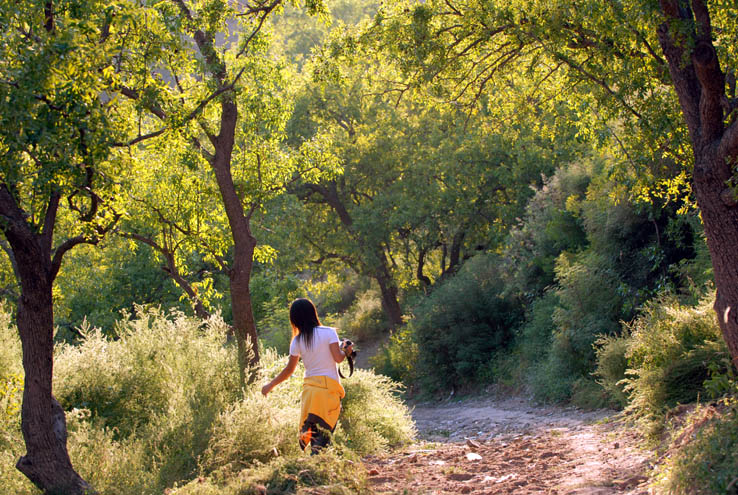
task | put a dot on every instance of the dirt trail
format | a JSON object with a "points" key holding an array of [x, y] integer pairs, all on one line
{"points": [[486, 446]]}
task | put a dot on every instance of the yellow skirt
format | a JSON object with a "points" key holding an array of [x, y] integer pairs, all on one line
{"points": [[321, 396]]}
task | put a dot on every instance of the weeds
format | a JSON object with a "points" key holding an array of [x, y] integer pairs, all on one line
{"points": [[160, 408]]}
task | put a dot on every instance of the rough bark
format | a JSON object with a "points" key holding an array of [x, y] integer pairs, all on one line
{"points": [[46, 462], [721, 229], [43, 424], [700, 85]]}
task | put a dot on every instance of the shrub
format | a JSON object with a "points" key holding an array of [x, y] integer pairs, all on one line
{"points": [[398, 357], [373, 417], [551, 225], [332, 471], [158, 365], [110, 465], [161, 405], [589, 306], [535, 336], [670, 352], [703, 456], [365, 319], [564, 325], [552, 379], [10, 346], [462, 324], [274, 328], [612, 366]]}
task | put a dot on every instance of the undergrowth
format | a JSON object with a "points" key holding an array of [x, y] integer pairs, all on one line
{"points": [[702, 458], [159, 407]]}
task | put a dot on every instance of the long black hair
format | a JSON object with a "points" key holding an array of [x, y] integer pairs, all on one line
{"points": [[304, 319]]}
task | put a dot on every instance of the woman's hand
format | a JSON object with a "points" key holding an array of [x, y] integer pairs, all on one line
{"points": [[282, 376]]}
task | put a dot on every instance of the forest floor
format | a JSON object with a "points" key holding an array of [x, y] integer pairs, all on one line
{"points": [[508, 446]]}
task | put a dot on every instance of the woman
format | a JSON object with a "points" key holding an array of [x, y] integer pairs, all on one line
{"points": [[318, 346]]}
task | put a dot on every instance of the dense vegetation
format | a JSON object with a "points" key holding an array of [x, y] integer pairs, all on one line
{"points": [[532, 194]]}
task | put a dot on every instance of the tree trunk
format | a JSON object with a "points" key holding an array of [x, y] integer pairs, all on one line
{"points": [[720, 219], [43, 423], [243, 315], [700, 85], [244, 243], [387, 289]]}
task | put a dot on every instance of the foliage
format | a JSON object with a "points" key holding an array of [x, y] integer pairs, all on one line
{"points": [[160, 405], [129, 382], [612, 366], [462, 324], [295, 34], [274, 327], [373, 418], [588, 305], [119, 279], [331, 471], [552, 224], [704, 453], [669, 352], [398, 357], [364, 320]]}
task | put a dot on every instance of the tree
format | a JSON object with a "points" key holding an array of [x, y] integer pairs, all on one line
{"points": [[194, 81], [56, 168], [706, 98]]}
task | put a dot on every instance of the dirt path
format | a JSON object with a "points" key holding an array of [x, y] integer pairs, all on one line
{"points": [[510, 447]]}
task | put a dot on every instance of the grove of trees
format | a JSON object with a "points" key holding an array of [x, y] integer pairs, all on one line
{"points": [[500, 192]]}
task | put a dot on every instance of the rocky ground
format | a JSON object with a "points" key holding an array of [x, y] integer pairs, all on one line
{"points": [[486, 446]]}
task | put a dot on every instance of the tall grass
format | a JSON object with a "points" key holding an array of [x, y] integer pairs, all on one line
{"points": [[670, 352], [703, 455], [160, 405]]}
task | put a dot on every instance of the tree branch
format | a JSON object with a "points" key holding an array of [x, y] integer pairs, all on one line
{"points": [[70, 243], [49, 220], [686, 84]]}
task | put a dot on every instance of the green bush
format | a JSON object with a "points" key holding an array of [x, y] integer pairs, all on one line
{"points": [[612, 366], [703, 458], [552, 379], [274, 327], [158, 366], [671, 350], [551, 225], [365, 319], [398, 357], [373, 418], [333, 471], [589, 306], [161, 406], [564, 325], [462, 324], [116, 466]]}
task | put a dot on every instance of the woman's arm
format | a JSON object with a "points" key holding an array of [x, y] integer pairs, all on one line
{"points": [[282, 376], [338, 354]]}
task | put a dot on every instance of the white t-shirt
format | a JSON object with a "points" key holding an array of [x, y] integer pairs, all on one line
{"points": [[317, 358]]}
